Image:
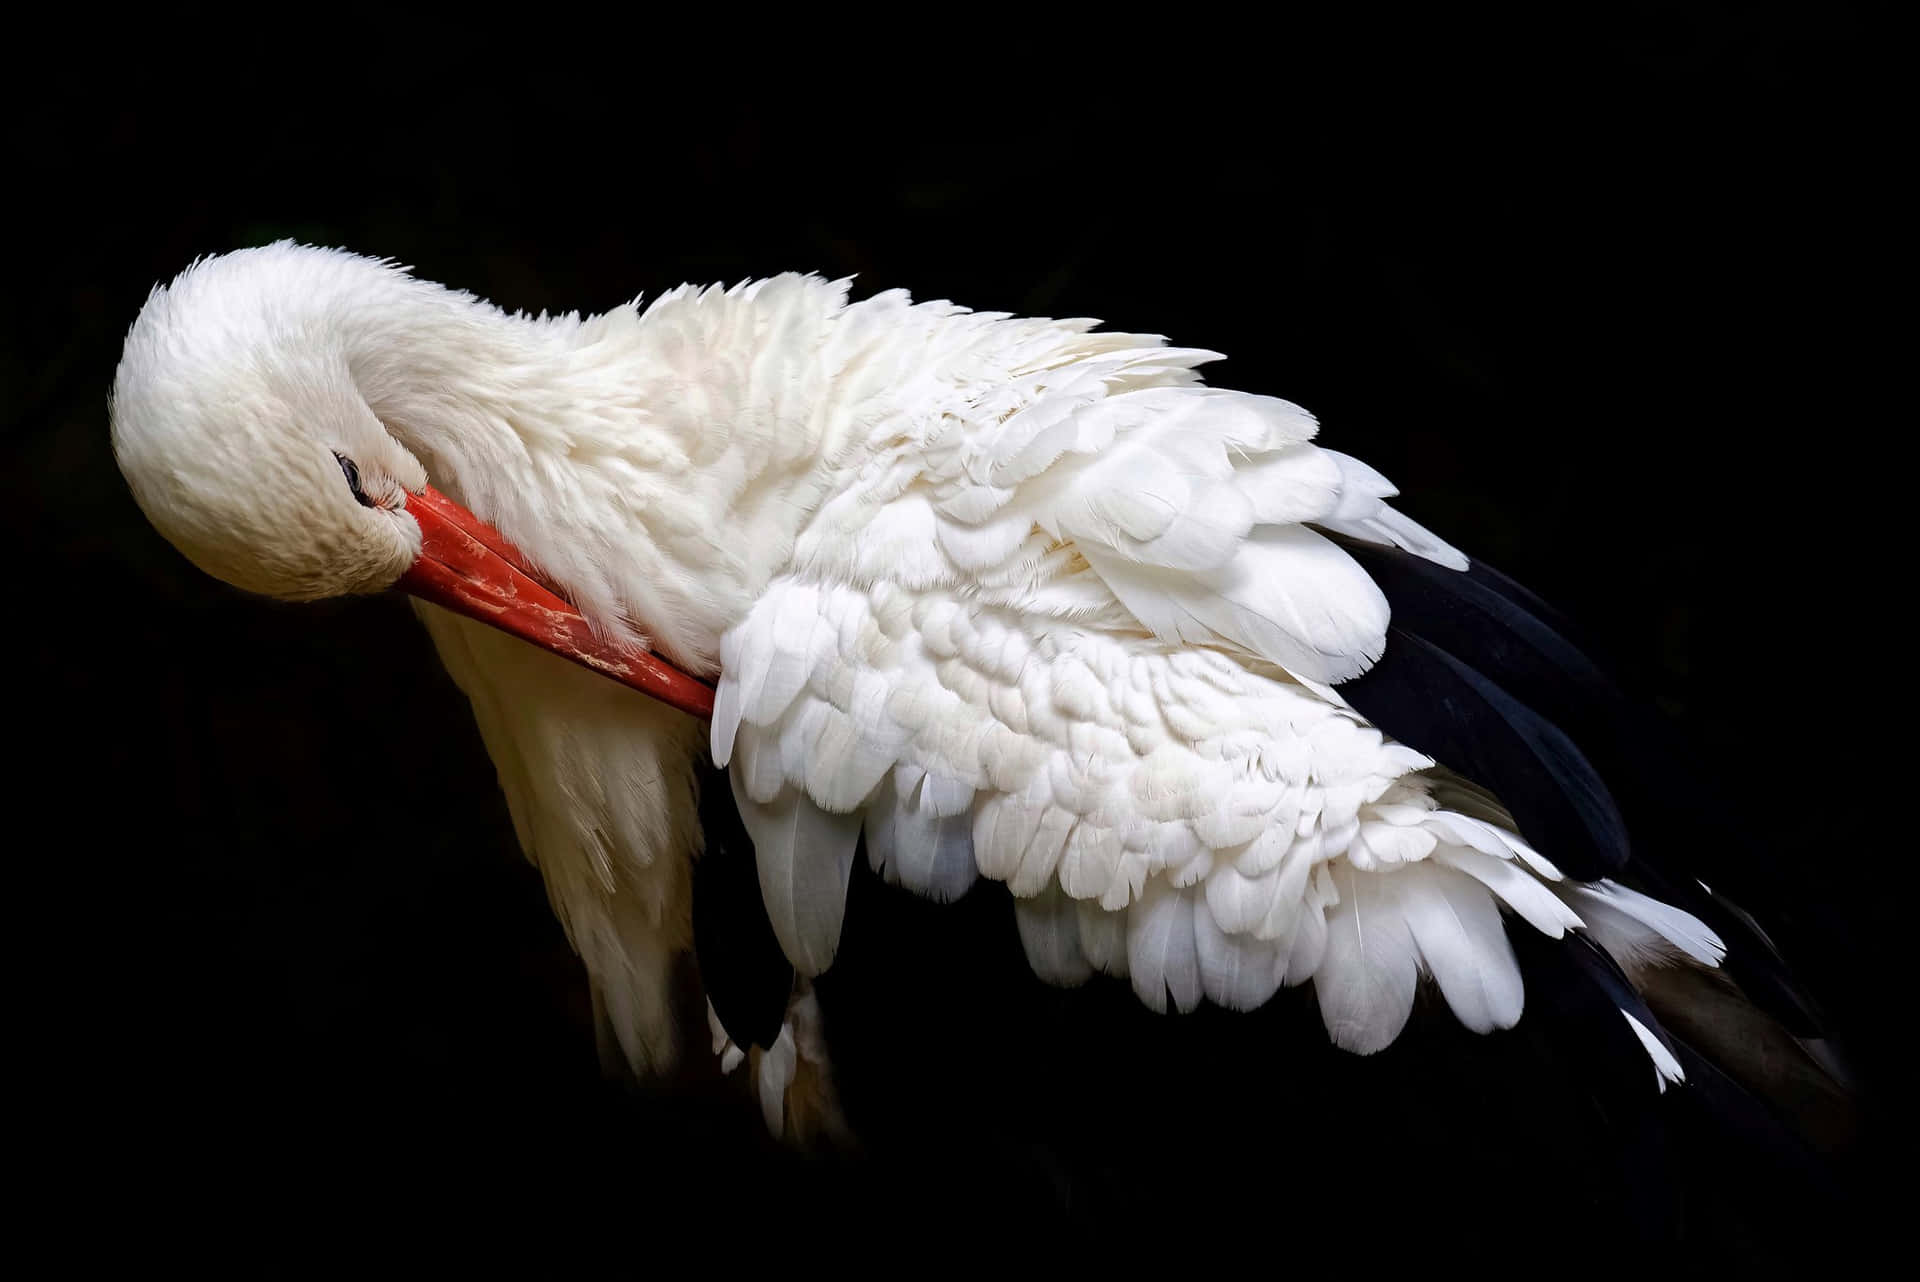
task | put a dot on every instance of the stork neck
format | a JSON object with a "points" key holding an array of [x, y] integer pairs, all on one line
{"points": [[646, 462]]}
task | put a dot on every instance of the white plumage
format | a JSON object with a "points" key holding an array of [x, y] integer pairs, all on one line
{"points": [[1014, 598]]}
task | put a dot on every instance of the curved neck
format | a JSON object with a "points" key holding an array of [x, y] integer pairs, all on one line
{"points": [[659, 466]]}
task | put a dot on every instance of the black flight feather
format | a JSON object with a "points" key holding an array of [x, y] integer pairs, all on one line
{"points": [[1428, 699], [1492, 625], [1488, 621], [1605, 974]]}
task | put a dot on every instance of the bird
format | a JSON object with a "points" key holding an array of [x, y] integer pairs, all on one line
{"points": [[1040, 752]]}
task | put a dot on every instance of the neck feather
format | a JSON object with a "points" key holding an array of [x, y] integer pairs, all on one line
{"points": [[659, 465]]}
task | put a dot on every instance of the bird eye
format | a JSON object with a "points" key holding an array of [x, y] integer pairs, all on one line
{"points": [[353, 479]]}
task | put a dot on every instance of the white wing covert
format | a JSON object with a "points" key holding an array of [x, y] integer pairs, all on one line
{"points": [[1075, 634]]}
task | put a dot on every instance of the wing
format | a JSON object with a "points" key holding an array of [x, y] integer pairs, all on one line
{"points": [[1081, 639]]}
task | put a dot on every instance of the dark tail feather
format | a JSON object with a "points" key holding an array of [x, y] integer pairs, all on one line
{"points": [[1716, 1021], [1751, 960]]}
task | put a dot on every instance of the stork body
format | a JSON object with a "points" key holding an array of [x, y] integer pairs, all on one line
{"points": [[989, 602]]}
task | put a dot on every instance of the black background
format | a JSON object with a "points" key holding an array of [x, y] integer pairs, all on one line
{"points": [[1604, 296]]}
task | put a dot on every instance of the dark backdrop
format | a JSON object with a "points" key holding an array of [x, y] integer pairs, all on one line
{"points": [[1602, 297]]}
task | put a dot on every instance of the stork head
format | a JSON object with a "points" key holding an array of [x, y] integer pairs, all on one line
{"points": [[240, 427]]}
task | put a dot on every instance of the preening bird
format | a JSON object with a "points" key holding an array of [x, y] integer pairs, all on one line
{"points": [[1035, 746]]}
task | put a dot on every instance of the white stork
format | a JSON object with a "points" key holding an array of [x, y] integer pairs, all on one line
{"points": [[984, 600]]}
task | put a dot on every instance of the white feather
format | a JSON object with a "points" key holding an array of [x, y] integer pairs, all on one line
{"points": [[1665, 1067], [1050, 933], [1489, 839], [1103, 938], [1366, 979], [1637, 929], [1238, 972], [729, 1055], [1396, 529], [1457, 929], [1288, 596], [1308, 945], [774, 1074], [1361, 488], [1361, 514], [913, 844], [805, 858], [726, 714], [1162, 956], [1291, 486], [1545, 911]]}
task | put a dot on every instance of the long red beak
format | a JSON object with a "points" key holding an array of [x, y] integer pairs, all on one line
{"points": [[469, 567]]}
